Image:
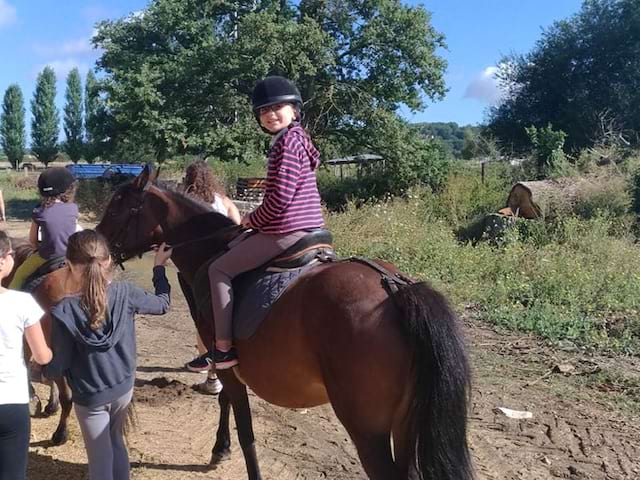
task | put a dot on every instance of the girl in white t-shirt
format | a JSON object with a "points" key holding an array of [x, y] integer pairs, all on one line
{"points": [[201, 183], [20, 319]]}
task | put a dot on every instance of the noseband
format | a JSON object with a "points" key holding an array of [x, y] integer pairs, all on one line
{"points": [[133, 219]]}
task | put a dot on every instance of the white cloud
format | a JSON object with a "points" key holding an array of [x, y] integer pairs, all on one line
{"points": [[8, 13], [63, 67], [78, 46], [485, 87], [95, 13]]}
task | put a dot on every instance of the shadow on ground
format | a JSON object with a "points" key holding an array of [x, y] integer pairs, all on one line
{"points": [[18, 208], [44, 467]]}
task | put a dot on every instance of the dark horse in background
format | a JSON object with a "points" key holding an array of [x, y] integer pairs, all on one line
{"points": [[392, 365], [50, 291]]}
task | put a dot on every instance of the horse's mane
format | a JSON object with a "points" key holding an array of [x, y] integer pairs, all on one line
{"points": [[22, 248], [204, 222], [192, 203]]}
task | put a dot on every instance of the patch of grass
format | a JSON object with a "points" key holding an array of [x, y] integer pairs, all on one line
{"points": [[614, 386], [20, 193]]}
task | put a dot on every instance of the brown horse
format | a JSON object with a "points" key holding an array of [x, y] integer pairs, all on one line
{"points": [[391, 362], [50, 291]]}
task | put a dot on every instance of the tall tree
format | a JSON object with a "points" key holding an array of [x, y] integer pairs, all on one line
{"points": [[583, 71], [45, 121], [179, 77], [12, 135], [91, 113], [73, 127]]}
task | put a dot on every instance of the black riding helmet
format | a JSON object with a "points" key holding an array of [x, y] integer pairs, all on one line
{"points": [[55, 181], [273, 90]]}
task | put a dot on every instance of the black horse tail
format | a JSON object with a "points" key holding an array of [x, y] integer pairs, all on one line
{"points": [[437, 426]]}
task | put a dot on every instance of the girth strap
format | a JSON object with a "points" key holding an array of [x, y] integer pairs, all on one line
{"points": [[391, 281]]}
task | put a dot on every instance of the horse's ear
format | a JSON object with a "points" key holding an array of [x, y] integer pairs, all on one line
{"points": [[144, 178]]}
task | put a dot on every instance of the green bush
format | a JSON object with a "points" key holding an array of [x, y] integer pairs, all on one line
{"points": [[93, 195], [336, 192], [635, 188], [608, 197], [547, 146]]}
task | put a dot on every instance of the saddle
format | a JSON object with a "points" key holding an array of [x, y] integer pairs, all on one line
{"points": [[317, 245], [257, 290]]}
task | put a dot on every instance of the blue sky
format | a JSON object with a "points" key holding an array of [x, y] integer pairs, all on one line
{"points": [[478, 33], [34, 33]]}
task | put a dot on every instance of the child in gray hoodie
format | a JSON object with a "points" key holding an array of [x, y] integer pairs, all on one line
{"points": [[94, 345]]}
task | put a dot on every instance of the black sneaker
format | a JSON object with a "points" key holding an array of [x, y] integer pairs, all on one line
{"points": [[224, 360], [200, 364]]}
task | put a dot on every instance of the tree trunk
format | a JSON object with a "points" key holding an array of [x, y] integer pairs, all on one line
{"points": [[545, 198]]}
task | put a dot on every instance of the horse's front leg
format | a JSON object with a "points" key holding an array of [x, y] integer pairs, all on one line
{"points": [[61, 435], [35, 405], [53, 405], [237, 393], [222, 447]]}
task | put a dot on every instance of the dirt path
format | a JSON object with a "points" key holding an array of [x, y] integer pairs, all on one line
{"points": [[585, 421]]}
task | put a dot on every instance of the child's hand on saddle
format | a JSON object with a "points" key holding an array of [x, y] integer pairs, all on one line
{"points": [[244, 222], [163, 253]]}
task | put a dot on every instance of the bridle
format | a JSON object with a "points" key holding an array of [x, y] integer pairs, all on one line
{"points": [[119, 256], [134, 219]]}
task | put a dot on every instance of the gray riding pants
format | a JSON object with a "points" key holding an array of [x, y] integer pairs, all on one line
{"points": [[245, 253], [102, 430]]}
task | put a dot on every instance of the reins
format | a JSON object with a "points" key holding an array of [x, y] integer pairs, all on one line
{"points": [[136, 211], [215, 234]]}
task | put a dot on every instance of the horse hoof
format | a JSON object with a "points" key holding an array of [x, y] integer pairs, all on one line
{"points": [[51, 409], [60, 437], [219, 455], [35, 407]]}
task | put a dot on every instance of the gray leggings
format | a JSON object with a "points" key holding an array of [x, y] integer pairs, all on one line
{"points": [[246, 253], [102, 430]]}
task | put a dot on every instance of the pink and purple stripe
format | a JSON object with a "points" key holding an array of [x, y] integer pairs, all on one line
{"points": [[291, 201]]}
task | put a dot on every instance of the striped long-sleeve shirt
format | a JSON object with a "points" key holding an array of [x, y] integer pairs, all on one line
{"points": [[291, 201]]}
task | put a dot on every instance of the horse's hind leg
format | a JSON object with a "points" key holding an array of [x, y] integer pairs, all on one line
{"points": [[402, 450], [61, 435], [53, 405], [222, 447], [374, 451], [237, 393]]}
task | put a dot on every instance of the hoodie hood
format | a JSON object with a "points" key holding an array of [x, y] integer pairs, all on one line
{"points": [[75, 319], [310, 148]]}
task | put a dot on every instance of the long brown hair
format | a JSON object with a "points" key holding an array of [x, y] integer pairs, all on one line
{"points": [[66, 197], [89, 250], [5, 243], [200, 182]]}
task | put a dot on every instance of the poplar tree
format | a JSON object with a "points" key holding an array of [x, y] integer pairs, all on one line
{"points": [[45, 121], [73, 116], [91, 107], [12, 136]]}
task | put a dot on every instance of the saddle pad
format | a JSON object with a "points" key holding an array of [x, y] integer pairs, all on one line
{"points": [[35, 279], [254, 293]]}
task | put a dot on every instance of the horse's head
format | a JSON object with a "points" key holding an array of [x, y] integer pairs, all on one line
{"points": [[132, 220]]}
